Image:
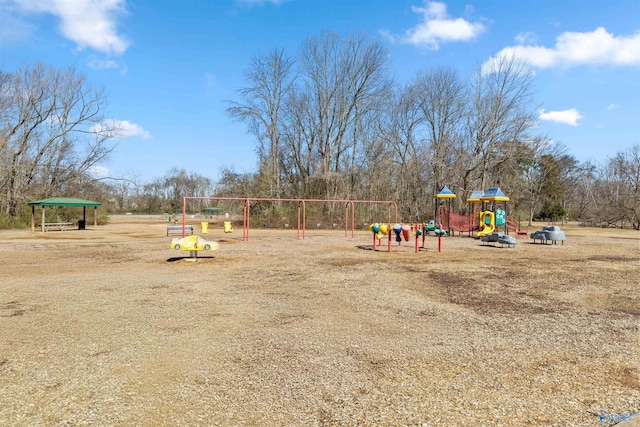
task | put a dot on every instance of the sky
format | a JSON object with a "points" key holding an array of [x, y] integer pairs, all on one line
{"points": [[170, 67]]}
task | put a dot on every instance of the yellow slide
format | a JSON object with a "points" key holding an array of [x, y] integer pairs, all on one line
{"points": [[487, 223], [486, 229]]}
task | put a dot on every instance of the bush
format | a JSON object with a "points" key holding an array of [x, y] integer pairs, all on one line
{"points": [[551, 212]]}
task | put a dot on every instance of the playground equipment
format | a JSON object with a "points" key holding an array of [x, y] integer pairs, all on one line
{"points": [[204, 227], [444, 206], [432, 229], [487, 223], [501, 238], [228, 228], [379, 231], [494, 212], [193, 244], [397, 229], [514, 225], [404, 232], [551, 234], [467, 222], [302, 213], [474, 200]]}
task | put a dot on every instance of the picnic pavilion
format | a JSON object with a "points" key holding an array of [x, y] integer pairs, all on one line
{"points": [[210, 211], [64, 201]]}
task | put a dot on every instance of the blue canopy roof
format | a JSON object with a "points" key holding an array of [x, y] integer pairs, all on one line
{"points": [[445, 193], [494, 193], [475, 196]]}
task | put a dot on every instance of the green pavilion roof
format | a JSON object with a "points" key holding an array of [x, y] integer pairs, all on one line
{"points": [[64, 201]]}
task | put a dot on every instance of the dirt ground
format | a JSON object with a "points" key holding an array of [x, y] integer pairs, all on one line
{"points": [[109, 326]]}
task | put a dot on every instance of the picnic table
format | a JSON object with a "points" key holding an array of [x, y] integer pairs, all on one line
{"points": [[62, 226]]}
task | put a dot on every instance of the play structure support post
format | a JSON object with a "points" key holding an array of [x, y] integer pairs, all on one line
{"points": [[299, 219], [184, 215], [353, 219], [304, 217], [440, 242], [346, 215], [349, 205], [247, 214], [389, 220]]}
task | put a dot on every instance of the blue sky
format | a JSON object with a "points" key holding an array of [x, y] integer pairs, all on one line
{"points": [[170, 66]]}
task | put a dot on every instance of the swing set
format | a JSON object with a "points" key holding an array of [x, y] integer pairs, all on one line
{"points": [[392, 208]]}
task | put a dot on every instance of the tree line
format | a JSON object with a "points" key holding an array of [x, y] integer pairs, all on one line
{"points": [[329, 123]]}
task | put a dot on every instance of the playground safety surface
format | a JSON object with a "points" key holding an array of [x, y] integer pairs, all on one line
{"points": [[108, 326]]}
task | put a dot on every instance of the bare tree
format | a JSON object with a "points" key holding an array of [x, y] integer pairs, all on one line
{"points": [[401, 129], [179, 183], [298, 145], [500, 112], [622, 174], [440, 98], [270, 80], [52, 132], [343, 81]]}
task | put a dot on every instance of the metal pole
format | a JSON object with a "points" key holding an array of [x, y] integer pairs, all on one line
{"points": [[304, 218], [244, 220], [389, 228], [184, 214], [248, 219], [299, 203], [346, 221], [353, 219]]}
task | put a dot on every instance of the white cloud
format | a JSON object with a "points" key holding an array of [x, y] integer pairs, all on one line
{"points": [[437, 27], [99, 171], [120, 129], [12, 27], [569, 117], [89, 23], [106, 64], [102, 64], [613, 106], [526, 38], [574, 49]]}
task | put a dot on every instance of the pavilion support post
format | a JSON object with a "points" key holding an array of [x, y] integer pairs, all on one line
{"points": [[95, 216], [42, 223], [33, 218]]}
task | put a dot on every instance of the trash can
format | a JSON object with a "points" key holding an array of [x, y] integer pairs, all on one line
{"points": [[82, 224], [204, 226]]}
